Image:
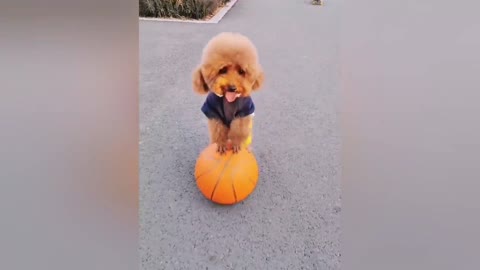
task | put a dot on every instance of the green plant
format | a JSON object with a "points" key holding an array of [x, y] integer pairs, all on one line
{"points": [[147, 8]]}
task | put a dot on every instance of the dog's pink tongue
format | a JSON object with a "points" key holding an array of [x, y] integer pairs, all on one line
{"points": [[230, 96]]}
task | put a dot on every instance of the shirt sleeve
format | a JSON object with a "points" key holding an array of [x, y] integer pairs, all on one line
{"points": [[247, 108], [210, 107]]}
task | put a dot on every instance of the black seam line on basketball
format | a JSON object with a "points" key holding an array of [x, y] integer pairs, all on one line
{"points": [[251, 180], [220, 176], [217, 163], [233, 186]]}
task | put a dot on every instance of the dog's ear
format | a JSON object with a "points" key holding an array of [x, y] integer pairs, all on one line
{"points": [[259, 79], [199, 84]]}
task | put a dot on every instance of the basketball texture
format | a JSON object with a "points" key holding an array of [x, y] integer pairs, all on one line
{"points": [[227, 178]]}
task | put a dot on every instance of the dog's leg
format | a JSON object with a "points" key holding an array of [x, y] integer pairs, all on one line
{"points": [[218, 134], [240, 130]]}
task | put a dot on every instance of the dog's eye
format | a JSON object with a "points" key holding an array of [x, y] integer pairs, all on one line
{"points": [[241, 72], [223, 70]]}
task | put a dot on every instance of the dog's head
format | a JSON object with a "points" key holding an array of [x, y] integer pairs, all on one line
{"points": [[229, 67]]}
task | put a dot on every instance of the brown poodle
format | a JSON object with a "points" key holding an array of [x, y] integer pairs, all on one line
{"points": [[229, 72]]}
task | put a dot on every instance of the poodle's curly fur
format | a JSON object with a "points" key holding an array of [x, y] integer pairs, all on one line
{"points": [[229, 60]]}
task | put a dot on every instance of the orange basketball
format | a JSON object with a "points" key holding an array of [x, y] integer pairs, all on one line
{"points": [[227, 178]]}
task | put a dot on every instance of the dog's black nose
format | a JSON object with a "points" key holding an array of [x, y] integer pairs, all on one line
{"points": [[232, 88]]}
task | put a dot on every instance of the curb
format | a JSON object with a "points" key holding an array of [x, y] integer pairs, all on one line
{"points": [[215, 19]]}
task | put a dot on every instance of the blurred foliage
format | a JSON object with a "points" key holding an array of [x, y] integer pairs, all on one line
{"points": [[192, 9]]}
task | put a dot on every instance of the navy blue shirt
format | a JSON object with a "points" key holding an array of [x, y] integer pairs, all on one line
{"points": [[216, 107]]}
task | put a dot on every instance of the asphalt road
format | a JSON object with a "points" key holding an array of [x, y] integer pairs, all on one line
{"points": [[292, 220]]}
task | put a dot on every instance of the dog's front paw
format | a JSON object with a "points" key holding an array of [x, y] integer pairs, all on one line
{"points": [[222, 148], [236, 148]]}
